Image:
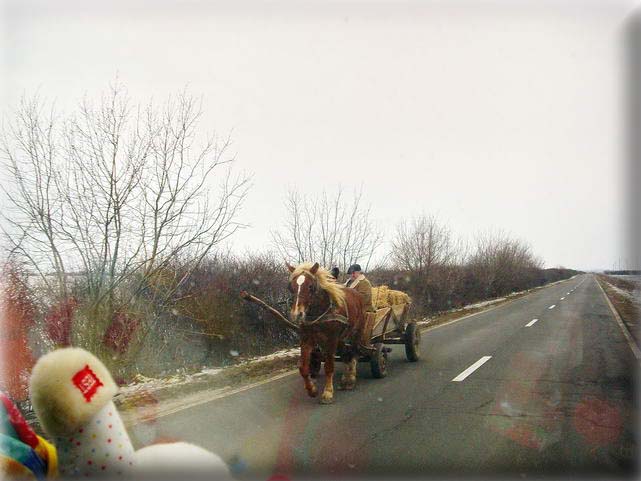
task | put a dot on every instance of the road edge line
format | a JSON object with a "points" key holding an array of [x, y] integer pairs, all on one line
{"points": [[622, 326], [217, 394]]}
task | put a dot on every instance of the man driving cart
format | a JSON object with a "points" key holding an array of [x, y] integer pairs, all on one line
{"points": [[360, 283]]}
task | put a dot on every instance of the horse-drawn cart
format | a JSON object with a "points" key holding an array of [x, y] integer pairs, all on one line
{"points": [[332, 324], [388, 325]]}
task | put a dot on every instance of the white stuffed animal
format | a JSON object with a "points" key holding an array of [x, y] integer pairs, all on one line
{"points": [[72, 392]]}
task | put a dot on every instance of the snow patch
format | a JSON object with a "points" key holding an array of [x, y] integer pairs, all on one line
{"points": [[484, 303], [146, 384]]}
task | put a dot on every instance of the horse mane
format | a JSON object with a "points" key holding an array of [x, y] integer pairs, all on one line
{"points": [[325, 281]]}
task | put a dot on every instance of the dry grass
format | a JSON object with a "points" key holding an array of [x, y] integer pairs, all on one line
{"points": [[383, 296], [380, 296], [625, 305]]}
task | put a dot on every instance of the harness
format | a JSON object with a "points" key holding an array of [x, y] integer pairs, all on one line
{"points": [[328, 315]]}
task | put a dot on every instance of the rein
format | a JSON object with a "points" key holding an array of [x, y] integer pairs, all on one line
{"points": [[327, 316]]}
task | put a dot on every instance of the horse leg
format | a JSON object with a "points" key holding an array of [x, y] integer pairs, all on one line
{"points": [[348, 380], [303, 368], [328, 392]]}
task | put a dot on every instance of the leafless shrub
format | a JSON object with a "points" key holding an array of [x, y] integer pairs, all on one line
{"points": [[441, 272], [422, 244], [502, 264], [113, 194], [425, 250], [330, 230], [207, 309], [18, 311]]}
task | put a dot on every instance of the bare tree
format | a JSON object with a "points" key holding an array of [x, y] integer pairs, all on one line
{"points": [[330, 229], [421, 244], [30, 151], [116, 191]]}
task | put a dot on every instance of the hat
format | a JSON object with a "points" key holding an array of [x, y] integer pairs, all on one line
{"points": [[354, 268]]}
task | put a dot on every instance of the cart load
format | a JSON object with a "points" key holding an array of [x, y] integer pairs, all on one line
{"points": [[383, 296]]}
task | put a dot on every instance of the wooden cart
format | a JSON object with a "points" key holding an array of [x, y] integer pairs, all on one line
{"points": [[387, 325]]}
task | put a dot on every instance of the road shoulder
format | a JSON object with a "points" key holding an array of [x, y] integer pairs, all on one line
{"points": [[622, 298]]}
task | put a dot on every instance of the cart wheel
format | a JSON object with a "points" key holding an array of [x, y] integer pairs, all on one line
{"points": [[378, 362], [412, 340], [315, 364]]}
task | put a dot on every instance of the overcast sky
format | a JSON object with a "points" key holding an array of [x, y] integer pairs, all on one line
{"points": [[491, 115]]}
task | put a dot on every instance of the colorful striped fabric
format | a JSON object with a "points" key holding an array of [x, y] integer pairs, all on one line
{"points": [[23, 454]]}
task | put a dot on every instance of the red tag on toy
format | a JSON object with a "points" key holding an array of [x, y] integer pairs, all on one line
{"points": [[87, 382]]}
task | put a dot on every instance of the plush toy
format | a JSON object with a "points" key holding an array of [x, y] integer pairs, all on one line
{"points": [[23, 454], [71, 393]]}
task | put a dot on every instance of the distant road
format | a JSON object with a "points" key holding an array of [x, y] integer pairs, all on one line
{"points": [[543, 384]]}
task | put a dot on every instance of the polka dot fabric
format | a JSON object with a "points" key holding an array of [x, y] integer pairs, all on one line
{"points": [[100, 447]]}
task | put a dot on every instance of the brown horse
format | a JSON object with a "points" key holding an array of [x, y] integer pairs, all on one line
{"points": [[328, 315]]}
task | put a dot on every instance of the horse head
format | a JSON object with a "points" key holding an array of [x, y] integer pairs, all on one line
{"points": [[308, 295]]}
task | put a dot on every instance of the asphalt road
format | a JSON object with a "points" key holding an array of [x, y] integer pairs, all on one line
{"points": [[553, 397]]}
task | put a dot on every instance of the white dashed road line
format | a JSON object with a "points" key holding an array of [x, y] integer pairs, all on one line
{"points": [[471, 369], [531, 323]]}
